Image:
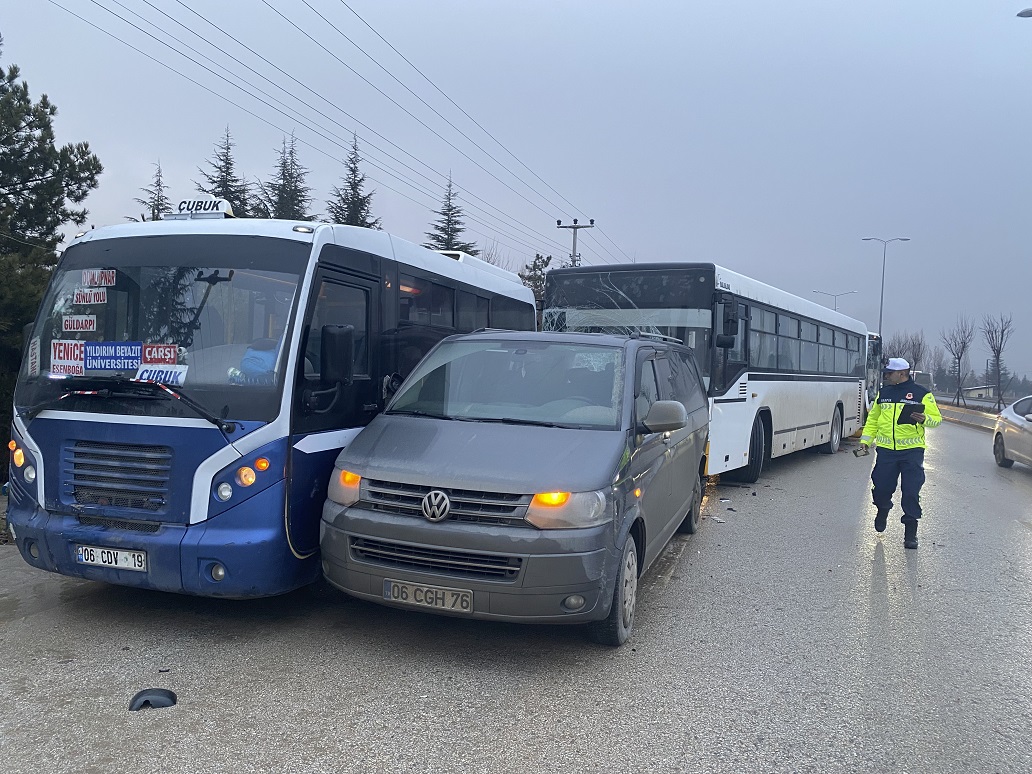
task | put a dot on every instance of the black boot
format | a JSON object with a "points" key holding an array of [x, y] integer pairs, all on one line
{"points": [[910, 534], [879, 520]]}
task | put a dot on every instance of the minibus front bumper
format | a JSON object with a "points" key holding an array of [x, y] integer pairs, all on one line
{"points": [[246, 542]]}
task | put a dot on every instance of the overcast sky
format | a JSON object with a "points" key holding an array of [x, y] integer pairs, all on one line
{"points": [[766, 137]]}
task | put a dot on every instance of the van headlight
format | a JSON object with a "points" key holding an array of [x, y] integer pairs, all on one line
{"points": [[568, 510], [344, 487]]}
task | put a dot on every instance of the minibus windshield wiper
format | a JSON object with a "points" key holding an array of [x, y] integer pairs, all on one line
{"points": [[123, 387]]}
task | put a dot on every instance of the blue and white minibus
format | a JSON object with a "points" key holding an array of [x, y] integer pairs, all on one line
{"points": [[188, 383], [783, 373]]}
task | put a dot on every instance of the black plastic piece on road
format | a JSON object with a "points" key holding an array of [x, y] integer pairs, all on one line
{"points": [[155, 698]]}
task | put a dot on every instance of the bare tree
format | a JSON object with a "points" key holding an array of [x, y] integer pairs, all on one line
{"points": [[493, 255], [937, 361], [957, 342], [917, 347], [997, 330], [897, 345]]}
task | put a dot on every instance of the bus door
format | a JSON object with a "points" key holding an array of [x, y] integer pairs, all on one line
{"points": [[729, 321], [327, 416]]}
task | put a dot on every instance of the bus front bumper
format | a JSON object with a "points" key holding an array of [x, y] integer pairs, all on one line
{"points": [[246, 542]]}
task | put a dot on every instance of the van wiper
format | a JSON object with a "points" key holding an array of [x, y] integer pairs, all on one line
{"points": [[514, 421], [123, 387], [417, 413]]}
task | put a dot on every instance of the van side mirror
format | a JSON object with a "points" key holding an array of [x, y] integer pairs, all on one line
{"points": [[337, 353], [665, 416]]}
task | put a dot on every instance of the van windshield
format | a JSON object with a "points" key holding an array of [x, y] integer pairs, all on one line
{"points": [[524, 382]]}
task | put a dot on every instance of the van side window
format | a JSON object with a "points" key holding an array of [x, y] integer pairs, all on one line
{"points": [[647, 390], [688, 387]]}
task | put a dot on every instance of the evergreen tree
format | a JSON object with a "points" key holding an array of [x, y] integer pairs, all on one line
{"points": [[286, 196], [157, 202], [223, 182], [533, 276], [447, 230], [39, 184], [350, 205]]}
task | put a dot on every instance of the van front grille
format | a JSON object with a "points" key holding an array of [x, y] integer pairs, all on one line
{"points": [[469, 506], [458, 564]]}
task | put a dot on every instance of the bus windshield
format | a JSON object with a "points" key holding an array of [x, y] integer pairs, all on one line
{"points": [[205, 314], [675, 302]]}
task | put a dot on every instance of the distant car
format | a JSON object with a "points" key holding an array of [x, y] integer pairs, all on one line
{"points": [[528, 477], [1012, 438]]}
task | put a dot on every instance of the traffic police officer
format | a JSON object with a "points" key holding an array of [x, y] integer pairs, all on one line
{"points": [[896, 425]]}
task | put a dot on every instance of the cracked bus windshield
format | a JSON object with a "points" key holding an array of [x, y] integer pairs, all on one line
{"points": [[206, 315]]}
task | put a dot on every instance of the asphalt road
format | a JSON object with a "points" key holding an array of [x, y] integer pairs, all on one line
{"points": [[785, 636]]}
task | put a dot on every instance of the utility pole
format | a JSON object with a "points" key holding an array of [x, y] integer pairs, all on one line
{"points": [[575, 256]]}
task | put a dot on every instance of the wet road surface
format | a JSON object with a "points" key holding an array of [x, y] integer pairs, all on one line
{"points": [[785, 636]]}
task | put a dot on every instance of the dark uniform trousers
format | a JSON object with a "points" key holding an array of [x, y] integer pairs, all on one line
{"points": [[906, 466]]}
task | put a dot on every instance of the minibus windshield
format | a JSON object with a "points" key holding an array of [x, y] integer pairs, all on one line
{"points": [[207, 315]]}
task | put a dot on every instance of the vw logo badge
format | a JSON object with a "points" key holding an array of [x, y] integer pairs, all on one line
{"points": [[436, 505]]}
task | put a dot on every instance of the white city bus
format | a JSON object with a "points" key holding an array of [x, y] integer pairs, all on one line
{"points": [[783, 373]]}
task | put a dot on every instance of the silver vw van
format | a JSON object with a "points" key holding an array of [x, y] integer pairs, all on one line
{"points": [[522, 477]]}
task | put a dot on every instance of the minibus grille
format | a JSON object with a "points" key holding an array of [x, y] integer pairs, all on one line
{"points": [[467, 505], [120, 524], [459, 564], [118, 475]]}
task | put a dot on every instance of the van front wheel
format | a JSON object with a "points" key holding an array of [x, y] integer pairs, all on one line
{"points": [[615, 628]]}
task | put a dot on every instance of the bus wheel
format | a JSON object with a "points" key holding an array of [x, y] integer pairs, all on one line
{"points": [[835, 439], [757, 456]]}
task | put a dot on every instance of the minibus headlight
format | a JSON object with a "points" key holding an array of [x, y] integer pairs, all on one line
{"points": [[18, 457], [245, 476], [344, 487], [29, 473], [568, 510]]}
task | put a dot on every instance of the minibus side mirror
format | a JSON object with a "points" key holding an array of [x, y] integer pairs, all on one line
{"points": [[665, 416], [337, 353]]}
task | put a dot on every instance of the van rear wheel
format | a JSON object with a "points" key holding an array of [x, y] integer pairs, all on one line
{"points": [[690, 525], [615, 628]]}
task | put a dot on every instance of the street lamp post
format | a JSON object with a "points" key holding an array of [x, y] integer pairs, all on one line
{"points": [[835, 296], [885, 244]]}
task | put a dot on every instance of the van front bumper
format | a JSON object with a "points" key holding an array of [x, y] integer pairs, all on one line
{"points": [[540, 570]]}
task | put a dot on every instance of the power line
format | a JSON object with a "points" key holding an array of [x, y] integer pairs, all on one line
{"points": [[341, 144]]}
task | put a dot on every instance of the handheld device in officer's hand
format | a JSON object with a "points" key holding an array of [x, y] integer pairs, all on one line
{"points": [[861, 451]]}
